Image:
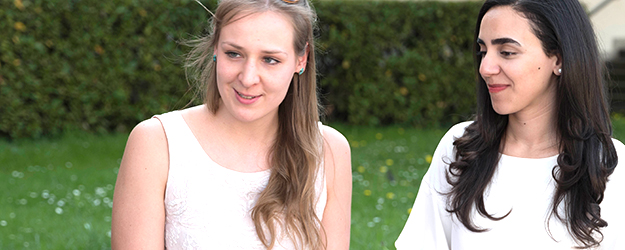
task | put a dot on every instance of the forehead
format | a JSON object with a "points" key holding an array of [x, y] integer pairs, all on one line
{"points": [[267, 28], [503, 21]]}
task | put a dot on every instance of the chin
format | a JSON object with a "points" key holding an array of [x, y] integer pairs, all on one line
{"points": [[502, 110]]}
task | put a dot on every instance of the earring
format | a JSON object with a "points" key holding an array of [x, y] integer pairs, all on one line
{"points": [[214, 58], [560, 70], [301, 71]]}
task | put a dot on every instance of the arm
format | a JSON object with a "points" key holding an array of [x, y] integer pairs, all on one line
{"points": [[138, 220], [337, 215]]}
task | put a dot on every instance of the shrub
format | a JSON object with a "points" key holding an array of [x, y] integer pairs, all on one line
{"points": [[106, 65]]}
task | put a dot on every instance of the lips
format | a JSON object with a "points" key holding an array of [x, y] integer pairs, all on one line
{"points": [[494, 88], [246, 99]]}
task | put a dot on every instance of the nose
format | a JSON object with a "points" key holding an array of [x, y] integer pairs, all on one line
{"points": [[489, 66], [249, 74]]}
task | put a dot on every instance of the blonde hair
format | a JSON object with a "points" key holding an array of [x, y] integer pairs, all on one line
{"points": [[289, 199]]}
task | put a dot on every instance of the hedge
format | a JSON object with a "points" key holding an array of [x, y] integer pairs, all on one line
{"points": [[106, 65]]}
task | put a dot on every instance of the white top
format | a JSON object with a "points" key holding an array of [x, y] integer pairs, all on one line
{"points": [[208, 206], [523, 186]]}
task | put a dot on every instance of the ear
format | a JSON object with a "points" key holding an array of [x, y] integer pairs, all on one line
{"points": [[302, 60], [557, 64]]}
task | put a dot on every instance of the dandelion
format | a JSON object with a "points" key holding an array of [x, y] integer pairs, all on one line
{"points": [[403, 91], [383, 169], [3, 223], [18, 4], [367, 192], [428, 159], [390, 195], [422, 77], [19, 26], [389, 162], [361, 169], [98, 49], [345, 64], [58, 210], [378, 136], [409, 210]]}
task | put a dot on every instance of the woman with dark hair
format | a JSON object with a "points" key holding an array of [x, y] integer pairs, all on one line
{"points": [[537, 168], [251, 168]]}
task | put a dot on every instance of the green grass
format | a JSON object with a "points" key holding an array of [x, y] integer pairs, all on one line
{"points": [[57, 193]]}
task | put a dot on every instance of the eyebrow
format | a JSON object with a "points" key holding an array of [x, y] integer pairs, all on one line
{"points": [[264, 51], [499, 41]]}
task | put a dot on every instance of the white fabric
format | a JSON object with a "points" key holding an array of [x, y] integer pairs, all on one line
{"points": [[208, 206], [524, 187]]}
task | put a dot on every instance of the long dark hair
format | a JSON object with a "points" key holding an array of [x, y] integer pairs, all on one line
{"points": [[586, 152]]}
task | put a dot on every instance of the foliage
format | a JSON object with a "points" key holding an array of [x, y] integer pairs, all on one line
{"points": [[398, 62], [106, 65]]}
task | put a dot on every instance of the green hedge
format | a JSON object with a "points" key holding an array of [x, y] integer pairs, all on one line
{"points": [[106, 65]]}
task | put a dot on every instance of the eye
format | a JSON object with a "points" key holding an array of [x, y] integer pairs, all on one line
{"points": [[506, 53], [481, 54], [233, 54], [270, 60]]}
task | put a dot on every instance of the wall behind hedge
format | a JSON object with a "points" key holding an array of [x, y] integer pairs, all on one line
{"points": [[106, 65]]}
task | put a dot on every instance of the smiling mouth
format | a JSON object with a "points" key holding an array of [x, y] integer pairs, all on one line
{"points": [[245, 96]]}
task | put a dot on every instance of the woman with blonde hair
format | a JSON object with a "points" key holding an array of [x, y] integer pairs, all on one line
{"points": [[252, 168]]}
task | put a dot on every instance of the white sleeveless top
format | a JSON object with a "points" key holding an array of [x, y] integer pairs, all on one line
{"points": [[208, 206]]}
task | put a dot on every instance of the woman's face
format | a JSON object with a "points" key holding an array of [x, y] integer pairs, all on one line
{"points": [[519, 75], [256, 61]]}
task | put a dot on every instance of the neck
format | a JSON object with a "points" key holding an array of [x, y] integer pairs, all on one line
{"points": [[258, 133], [532, 134]]}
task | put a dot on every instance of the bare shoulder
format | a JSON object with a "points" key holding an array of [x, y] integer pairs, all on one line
{"points": [[138, 210], [335, 140], [337, 155]]}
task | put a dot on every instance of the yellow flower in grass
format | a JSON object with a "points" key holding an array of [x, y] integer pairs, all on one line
{"points": [[389, 162], [19, 26], [390, 195], [409, 210], [378, 136], [428, 158], [403, 91], [98, 49], [383, 169], [367, 192], [18, 4], [361, 169], [354, 144]]}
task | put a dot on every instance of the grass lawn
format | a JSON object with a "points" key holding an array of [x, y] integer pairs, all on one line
{"points": [[57, 193]]}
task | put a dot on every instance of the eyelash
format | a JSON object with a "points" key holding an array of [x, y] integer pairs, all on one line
{"points": [[503, 53], [232, 54], [269, 60]]}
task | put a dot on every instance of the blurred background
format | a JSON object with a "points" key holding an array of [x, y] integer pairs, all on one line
{"points": [[77, 75]]}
